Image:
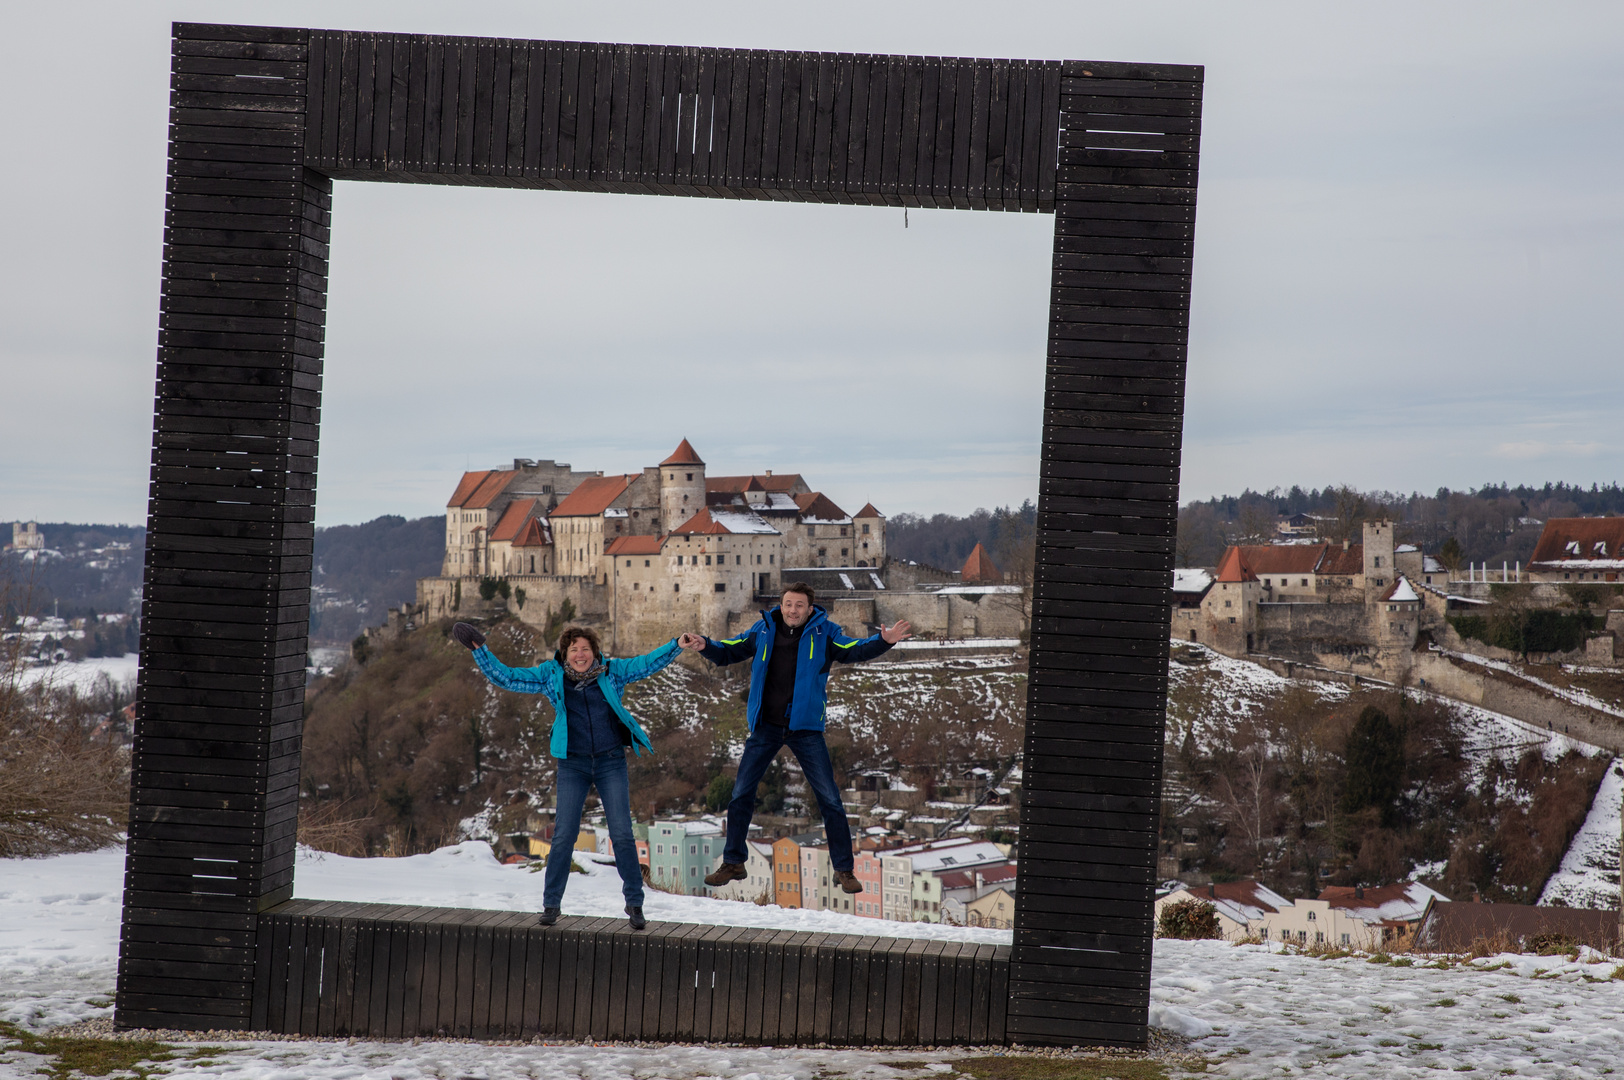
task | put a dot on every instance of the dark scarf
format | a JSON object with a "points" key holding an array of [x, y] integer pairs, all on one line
{"points": [[586, 678]]}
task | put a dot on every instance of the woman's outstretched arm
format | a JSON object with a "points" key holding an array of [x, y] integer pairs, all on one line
{"points": [[520, 680], [641, 667]]}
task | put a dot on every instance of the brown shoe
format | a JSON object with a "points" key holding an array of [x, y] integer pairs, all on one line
{"points": [[728, 871], [848, 881]]}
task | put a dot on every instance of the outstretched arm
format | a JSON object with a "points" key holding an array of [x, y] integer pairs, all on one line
{"points": [[641, 667], [850, 650], [728, 650], [521, 680]]}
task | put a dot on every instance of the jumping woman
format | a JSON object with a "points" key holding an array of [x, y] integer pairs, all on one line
{"points": [[591, 730]]}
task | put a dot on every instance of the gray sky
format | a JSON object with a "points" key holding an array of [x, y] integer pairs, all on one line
{"points": [[1407, 252]]}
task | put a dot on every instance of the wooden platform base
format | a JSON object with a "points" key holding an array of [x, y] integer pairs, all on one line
{"points": [[328, 968]]}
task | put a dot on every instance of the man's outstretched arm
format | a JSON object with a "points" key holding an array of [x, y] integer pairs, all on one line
{"points": [[850, 650], [723, 652]]}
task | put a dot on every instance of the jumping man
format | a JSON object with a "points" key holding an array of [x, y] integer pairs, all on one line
{"points": [[790, 650]]}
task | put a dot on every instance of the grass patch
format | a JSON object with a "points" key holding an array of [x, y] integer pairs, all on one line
{"points": [[1445, 1003], [1403, 961], [68, 1057], [906, 1064], [1513, 998], [1379, 958], [1014, 1067]]}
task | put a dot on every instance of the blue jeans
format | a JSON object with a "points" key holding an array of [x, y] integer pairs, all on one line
{"points": [[577, 774], [813, 754]]}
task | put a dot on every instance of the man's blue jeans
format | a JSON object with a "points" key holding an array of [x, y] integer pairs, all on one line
{"points": [[578, 774], [813, 754]]}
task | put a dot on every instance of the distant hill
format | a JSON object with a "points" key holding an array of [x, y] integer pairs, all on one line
{"points": [[363, 570], [945, 541], [360, 570]]}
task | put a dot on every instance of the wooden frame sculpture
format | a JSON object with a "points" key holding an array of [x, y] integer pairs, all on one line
{"points": [[262, 121]]}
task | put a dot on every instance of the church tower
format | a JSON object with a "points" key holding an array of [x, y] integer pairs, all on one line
{"points": [[682, 487]]}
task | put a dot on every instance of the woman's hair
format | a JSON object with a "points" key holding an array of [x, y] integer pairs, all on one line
{"points": [[571, 633]]}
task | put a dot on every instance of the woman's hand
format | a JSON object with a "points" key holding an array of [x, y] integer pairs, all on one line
{"points": [[468, 637], [692, 642]]}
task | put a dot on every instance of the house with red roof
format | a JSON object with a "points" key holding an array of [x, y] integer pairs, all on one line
{"points": [[653, 552], [1579, 549]]}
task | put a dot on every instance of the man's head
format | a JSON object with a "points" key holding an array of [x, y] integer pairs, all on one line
{"points": [[796, 604], [578, 648]]}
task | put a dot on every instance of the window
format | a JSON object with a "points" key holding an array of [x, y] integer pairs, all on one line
{"points": [[823, 551], [738, 560], [676, 587], [693, 849], [693, 871], [628, 564], [769, 560], [707, 560], [865, 530], [1345, 939], [645, 562], [659, 849], [758, 560], [689, 475], [721, 586], [1378, 561], [1305, 583], [1319, 938], [1264, 933], [1228, 603], [843, 530], [842, 552], [1312, 916]]}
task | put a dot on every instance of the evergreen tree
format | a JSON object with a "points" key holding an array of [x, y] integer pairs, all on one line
{"points": [[1375, 759]]}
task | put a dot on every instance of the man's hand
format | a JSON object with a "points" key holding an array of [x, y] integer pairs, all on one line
{"points": [[468, 637], [692, 642], [900, 630]]}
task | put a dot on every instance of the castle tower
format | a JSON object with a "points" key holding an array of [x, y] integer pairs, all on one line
{"points": [[1379, 568], [682, 487]]}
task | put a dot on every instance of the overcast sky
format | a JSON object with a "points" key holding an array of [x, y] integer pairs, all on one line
{"points": [[1408, 268]]}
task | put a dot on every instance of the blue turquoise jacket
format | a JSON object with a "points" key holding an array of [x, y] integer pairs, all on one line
{"points": [[548, 679], [826, 643]]}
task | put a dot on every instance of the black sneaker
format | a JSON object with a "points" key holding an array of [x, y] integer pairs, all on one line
{"points": [[635, 915], [728, 871], [548, 916]]}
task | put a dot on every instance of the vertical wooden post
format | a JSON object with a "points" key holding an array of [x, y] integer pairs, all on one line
{"points": [[227, 586], [1107, 515]]}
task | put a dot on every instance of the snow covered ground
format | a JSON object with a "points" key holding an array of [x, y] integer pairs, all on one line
{"points": [[1588, 876], [1253, 1011], [84, 674]]}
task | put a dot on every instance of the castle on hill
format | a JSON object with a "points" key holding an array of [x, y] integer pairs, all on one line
{"points": [[671, 548]]}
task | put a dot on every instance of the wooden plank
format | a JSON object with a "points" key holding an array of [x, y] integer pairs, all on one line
{"points": [[841, 989], [482, 132], [476, 989], [603, 982]]}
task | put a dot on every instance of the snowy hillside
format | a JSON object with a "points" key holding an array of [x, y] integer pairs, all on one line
{"points": [[1251, 1011]]}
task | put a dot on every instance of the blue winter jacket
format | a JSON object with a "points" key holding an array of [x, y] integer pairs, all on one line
{"points": [[825, 644], [548, 679]]}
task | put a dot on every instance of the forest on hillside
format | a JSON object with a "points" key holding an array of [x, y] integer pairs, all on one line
{"points": [[1491, 524]]}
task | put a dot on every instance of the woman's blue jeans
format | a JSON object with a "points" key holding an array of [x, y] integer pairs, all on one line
{"points": [[578, 774]]}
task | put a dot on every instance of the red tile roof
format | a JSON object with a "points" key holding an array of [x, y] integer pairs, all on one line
{"points": [[635, 545], [1346, 563], [1259, 560], [512, 520], [684, 454], [593, 496], [763, 482], [1567, 539], [868, 511], [495, 482], [979, 569], [815, 504], [534, 534], [1232, 567], [466, 486]]}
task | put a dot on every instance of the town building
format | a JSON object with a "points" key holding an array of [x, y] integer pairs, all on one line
{"points": [[648, 555], [1241, 906], [683, 852], [787, 879], [25, 536], [1349, 917], [1578, 549], [994, 909]]}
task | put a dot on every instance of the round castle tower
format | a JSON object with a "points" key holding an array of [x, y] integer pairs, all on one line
{"points": [[682, 487]]}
